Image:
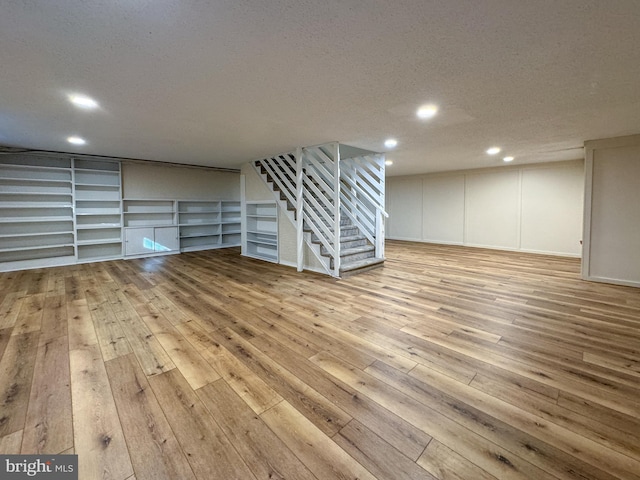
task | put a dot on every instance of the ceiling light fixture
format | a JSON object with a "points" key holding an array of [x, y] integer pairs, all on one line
{"points": [[493, 150], [83, 101], [508, 159], [76, 140], [390, 142], [388, 162], [427, 111]]}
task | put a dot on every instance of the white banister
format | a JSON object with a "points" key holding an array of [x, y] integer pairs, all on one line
{"points": [[299, 212], [317, 188], [336, 208]]}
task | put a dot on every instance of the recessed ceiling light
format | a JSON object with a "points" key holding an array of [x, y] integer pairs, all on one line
{"points": [[508, 159], [388, 162], [76, 140], [83, 101], [390, 142], [427, 111], [493, 150]]}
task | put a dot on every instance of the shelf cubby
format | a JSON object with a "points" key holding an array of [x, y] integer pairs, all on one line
{"points": [[98, 209], [99, 251], [36, 210], [201, 224], [261, 223]]}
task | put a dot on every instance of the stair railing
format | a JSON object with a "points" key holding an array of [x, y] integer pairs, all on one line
{"points": [[320, 197], [320, 187], [362, 196], [282, 171]]}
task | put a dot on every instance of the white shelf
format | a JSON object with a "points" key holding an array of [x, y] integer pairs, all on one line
{"points": [[39, 194], [98, 252], [34, 205], [97, 197], [34, 219], [150, 213], [261, 216], [97, 226], [204, 224], [233, 242], [99, 185], [33, 168], [20, 184], [40, 234], [198, 235], [99, 242], [82, 212], [36, 210], [36, 247], [181, 212], [261, 238], [201, 224], [34, 180]]}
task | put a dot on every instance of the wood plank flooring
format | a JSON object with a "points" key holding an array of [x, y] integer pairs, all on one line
{"points": [[448, 363]]}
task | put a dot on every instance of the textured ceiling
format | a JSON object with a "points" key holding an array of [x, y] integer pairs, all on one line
{"points": [[222, 82]]}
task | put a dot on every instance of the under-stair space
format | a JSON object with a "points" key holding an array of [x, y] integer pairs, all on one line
{"points": [[310, 185]]}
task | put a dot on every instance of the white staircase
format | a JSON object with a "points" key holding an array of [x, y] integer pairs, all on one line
{"points": [[337, 206]]}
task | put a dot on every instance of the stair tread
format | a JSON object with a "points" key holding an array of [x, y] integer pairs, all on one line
{"points": [[354, 250], [352, 238], [367, 262]]}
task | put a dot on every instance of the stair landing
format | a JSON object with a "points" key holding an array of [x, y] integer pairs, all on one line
{"points": [[359, 266]]}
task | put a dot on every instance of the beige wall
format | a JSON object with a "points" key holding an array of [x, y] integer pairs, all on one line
{"points": [[153, 181]]}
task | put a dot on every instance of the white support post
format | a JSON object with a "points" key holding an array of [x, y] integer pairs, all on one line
{"points": [[379, 217], [336, 208], [299, 212], [379, 234]]}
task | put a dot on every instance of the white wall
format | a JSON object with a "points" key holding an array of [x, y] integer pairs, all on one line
{"points": [[612, 211], [552, 209], [153, 181], [405, 194], [442, 209], [492, 209], [534, 208]]}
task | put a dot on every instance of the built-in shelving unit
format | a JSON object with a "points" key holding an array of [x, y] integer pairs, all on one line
{"points": [[261, 221], [208, 224], [139, 212], [231, 223], [36, 211], [199, 225], [150, 227], [98, 209], [57, 209]]}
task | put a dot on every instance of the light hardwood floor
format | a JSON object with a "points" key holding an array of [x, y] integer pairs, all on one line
{"points": [[448, 363]]}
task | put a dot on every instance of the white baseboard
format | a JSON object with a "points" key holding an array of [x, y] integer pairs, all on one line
{"points": [[311, 269], [491, 247], [614, 281]]}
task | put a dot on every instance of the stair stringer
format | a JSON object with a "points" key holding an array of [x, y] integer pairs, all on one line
{"points": [[282, 204]]}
